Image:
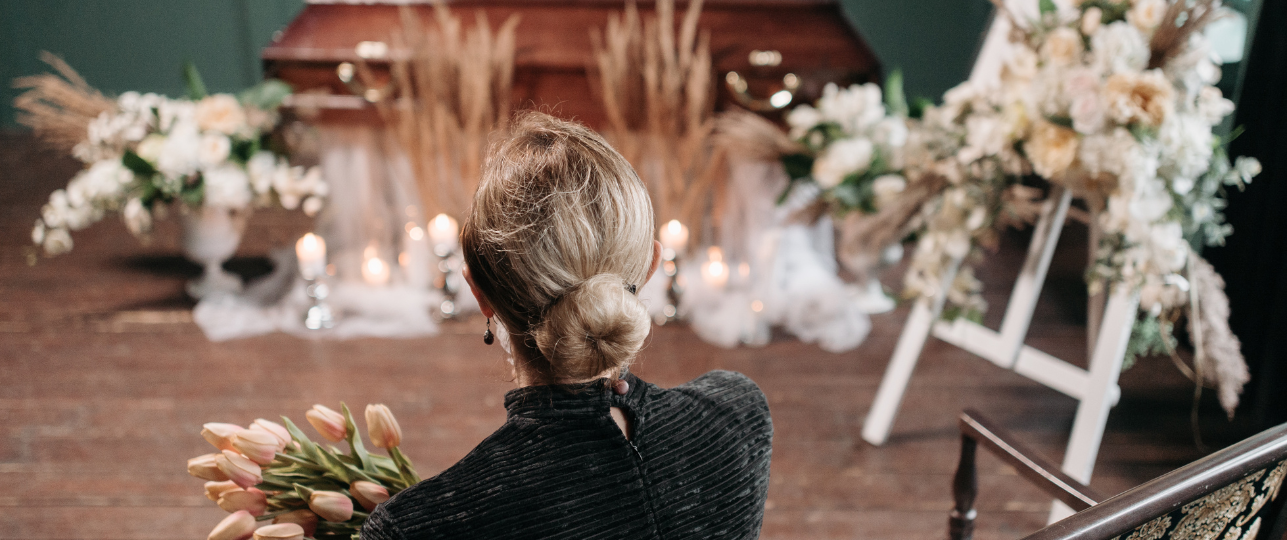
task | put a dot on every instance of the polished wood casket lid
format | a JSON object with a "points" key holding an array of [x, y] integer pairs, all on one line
{"points": [[812, 39]]}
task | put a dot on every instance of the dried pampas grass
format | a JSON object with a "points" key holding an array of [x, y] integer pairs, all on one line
{"points": [[451, 90], [1181, 20], [658, 96], [58, 107], [1218, 360]]}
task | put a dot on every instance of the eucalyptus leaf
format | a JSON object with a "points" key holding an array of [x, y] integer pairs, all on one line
{"points": [[192, 77], [266, 95], [1048, 6], [895, 98]]}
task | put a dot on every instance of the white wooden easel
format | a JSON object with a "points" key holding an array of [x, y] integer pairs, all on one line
{"points": [[1095, 388]]}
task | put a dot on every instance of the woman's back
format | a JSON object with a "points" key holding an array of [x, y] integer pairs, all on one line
{"points": [[697, 466]]}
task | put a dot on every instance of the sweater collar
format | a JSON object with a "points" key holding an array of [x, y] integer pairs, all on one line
{"points": [[560, 400]]}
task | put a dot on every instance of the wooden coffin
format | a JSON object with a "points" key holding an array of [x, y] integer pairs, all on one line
{"points": [[762, 41]]}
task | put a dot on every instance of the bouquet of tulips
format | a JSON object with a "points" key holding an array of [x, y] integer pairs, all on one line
{"points": [[273, 472]]}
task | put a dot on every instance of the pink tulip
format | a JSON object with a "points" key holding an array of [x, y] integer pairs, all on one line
{"points": [[244, 472], [238, 526], [302, 517], [327, 422], [251, 500], [215, 489], [220, 435], [331, 505], [276, 429], [206, 468], [284, 531], [382, 427], [258, 445], [368, 494]]}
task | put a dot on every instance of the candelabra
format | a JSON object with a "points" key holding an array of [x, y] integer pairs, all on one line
{"points": [[675, 289]]}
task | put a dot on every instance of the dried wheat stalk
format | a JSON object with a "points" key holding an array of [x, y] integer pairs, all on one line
{"points": [[657, 93], [451, 89], [58, 107]]}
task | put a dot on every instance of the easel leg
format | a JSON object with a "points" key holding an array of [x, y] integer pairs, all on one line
{"points": [[1105, 368], [1027, 287], [880, 420]]}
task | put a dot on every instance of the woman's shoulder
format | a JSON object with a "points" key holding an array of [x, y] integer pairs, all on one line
{"points": [[726, 391]]}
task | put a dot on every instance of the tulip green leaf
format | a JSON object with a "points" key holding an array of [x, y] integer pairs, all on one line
{"points": [[355, 441], [309, 448]]}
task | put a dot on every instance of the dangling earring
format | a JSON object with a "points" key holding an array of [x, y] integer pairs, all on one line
{"points": [[488, 336]]}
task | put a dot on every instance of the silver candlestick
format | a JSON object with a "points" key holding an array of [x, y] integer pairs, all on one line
{"points": [[444, 282], [674, 290], [319, 315]]}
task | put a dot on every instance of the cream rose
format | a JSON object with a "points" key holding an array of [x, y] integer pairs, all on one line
{"points": [[1146, 98], [1062, 47], [1147, 14], [1052, 149], [220, 112]]}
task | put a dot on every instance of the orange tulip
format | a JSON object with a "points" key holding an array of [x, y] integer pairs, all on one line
{"points": [[368, 494], [382, 427], [258, 445], [328, 423], [331, 505], [215, 489], [237, 468], [251, 500], [284, 531], [206, 468], [238, 526], [302, 517], [276, 429], [220, 435]]}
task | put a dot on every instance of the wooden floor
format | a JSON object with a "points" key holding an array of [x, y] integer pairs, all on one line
{"points": [[106, 382]]}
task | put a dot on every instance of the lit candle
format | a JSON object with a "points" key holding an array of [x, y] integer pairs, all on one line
{"points": [[715, 272], [375, 271], [674, 237], [415, 256], [443, 234], [311, 252]]}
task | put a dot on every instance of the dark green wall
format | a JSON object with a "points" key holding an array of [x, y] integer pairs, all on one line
{"points": [[139, 45], [120, 45]]}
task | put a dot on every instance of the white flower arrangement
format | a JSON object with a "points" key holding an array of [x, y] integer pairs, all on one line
{"points": [[853, 145], [1122, 106], [146, 151]]}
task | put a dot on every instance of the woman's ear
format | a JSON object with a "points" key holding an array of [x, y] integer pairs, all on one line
{"points": [[656, 261], [483, 305]]}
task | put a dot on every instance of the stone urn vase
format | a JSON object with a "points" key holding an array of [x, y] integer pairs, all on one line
{"points": [[210, 237]]}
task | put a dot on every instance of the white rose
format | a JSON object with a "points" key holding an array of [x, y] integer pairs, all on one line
{"points": [[173, 112], [1118, 48], [261, 167], [1186, 141], [38, 233], [137, 218], [1062, 47], [215, 149], [181, 153], [801, 119], [985, 135], [220, 112], [887, 187], [843, 158], [226, 186], [1168, 250], [57, 241]]}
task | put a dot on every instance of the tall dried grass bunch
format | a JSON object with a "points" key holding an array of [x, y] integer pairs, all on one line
{"points": [[58, 107], [450, 91], [658, 94]]}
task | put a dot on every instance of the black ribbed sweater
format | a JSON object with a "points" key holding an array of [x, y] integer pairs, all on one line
{"points": [[697, 467]]}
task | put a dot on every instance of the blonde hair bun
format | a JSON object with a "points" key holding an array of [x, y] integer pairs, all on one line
{"points": [[596, 326]]}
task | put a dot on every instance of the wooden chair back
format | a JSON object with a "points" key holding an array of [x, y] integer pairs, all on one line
{"points": [[1232, 494]]}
